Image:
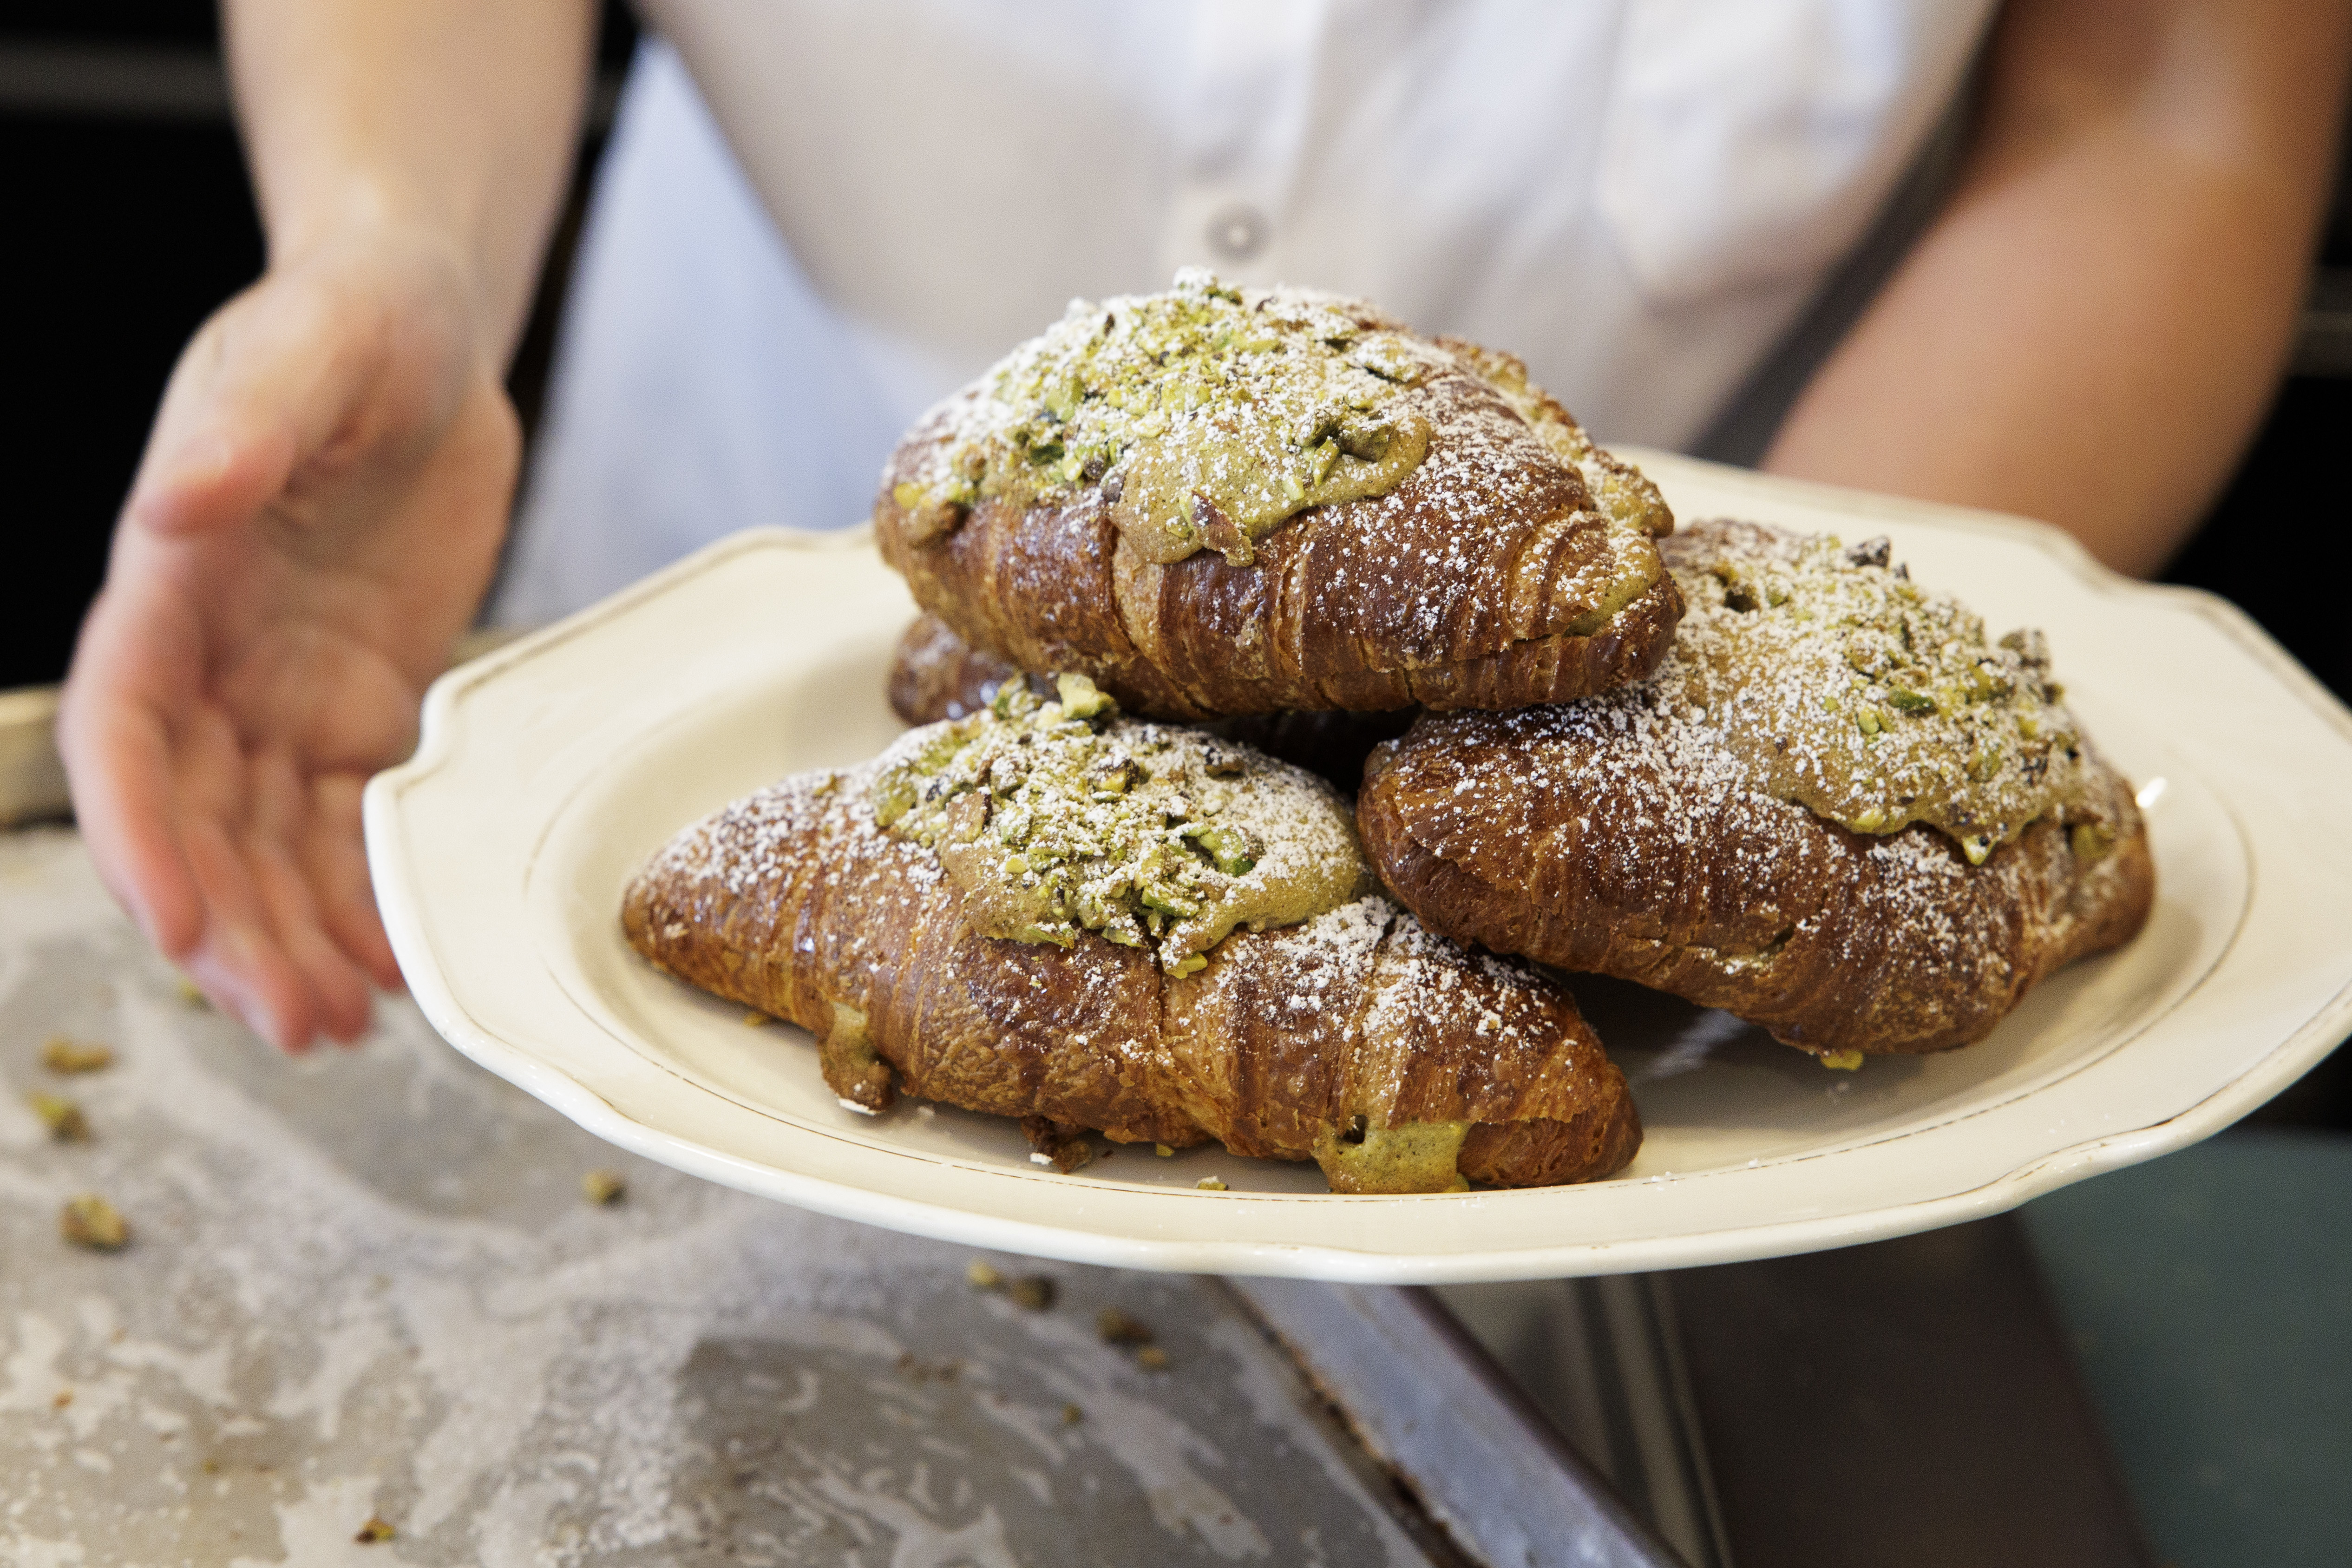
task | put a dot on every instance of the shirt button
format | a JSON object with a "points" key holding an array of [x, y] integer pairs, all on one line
{"points": [[1238, 231]]}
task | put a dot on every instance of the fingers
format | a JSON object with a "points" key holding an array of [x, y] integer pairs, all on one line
{"points": [[334, 862], [117, 745], [162, 794], [239, 959], [254, 934], [278, 825], [121, 772]]}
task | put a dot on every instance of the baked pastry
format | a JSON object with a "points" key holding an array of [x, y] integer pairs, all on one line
{"points": [[1837, 810], [934, 675], [1047, 912], [1217, 500]]}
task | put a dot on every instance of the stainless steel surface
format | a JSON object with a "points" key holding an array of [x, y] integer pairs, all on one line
{"points": [[1907, 1401], [366, 1283], [1422, 1395], [1603, 1360]]}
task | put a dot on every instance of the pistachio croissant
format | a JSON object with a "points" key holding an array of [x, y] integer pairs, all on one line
{"points": [[1154, 991], [1216, 500], [1838, 811]]}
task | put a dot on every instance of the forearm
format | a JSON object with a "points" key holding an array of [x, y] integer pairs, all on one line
{"points": [[450, 122], [2090, 331]]}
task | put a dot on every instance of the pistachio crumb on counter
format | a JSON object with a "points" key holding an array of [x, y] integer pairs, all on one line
{"points": [[374, 1529], [1843, 1061], [604, 1186], [91, 1221], [983, 1274], [1072, 1414], [1210, 1185], [1034, 1292], [1151, 1358], [1163, 1150], [62, 1117], [1116, 1327], [67, 1057]]}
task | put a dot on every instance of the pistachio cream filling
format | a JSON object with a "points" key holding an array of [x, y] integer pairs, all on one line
{"points": [[1840, 684], [1210, 415], [1054, 817], [1417, 1157]]}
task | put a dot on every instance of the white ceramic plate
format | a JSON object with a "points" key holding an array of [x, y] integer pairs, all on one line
{"points": [[551, 769]]}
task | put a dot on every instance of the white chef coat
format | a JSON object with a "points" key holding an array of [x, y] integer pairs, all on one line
{"points": [[816, 217]]}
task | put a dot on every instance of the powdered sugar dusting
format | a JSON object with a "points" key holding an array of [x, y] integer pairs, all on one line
{"points": [[1210, 417], [1660, 832], [1209, 413], [1823, 676]]}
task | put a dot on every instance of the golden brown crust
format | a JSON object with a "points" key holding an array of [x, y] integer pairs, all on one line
{"points": [[1489, 577], [793, 903], [936, 675], [1580, 844]]}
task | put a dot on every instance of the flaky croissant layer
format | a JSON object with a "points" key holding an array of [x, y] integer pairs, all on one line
{"points": [[1513, 562], [1636, 834], [1392, 1057]]}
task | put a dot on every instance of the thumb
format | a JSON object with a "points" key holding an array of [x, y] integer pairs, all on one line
{"points": [[263, 387]]}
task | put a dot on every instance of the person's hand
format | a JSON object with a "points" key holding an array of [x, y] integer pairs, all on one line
{"points": [[317, 515]]}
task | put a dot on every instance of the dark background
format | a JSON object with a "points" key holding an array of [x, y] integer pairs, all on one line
{"points": [[130, 219]]}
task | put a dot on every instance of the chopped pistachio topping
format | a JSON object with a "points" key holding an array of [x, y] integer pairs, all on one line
{"points": [[1209, 414], [1057, 817], [1843, 685]]}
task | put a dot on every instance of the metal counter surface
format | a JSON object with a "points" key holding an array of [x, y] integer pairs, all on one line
{"points": [[365, 1284]]}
